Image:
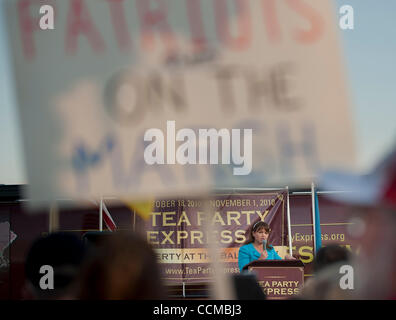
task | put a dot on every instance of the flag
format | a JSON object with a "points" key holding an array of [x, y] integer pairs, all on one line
{"points": [[106, 216], [317, 231], [142, 208], [7, 236], [108, 220]]}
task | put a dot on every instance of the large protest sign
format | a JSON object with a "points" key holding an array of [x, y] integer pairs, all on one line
{"points": [[104, 96], [175, 230]]}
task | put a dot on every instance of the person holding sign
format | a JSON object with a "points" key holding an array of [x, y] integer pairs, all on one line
{"points": [[257, 246]]}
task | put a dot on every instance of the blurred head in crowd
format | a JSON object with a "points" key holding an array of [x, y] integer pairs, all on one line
{"points": [[123, 267], [329, 255], [64, 254]]}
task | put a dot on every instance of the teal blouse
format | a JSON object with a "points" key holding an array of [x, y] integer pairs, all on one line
{"points": [[248, 253]]}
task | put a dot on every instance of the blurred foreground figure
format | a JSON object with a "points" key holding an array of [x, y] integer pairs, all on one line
{"points": [[326, 282], [123, 267], [372, 200], [65, 254]]}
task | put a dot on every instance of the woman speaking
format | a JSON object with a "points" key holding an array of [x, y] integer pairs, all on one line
{"points": [[257, 247]]}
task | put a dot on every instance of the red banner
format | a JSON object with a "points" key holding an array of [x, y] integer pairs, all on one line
{"points": [[176, 230]]}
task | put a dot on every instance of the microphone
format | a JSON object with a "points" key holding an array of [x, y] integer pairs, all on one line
{"points": [[264, 244]]}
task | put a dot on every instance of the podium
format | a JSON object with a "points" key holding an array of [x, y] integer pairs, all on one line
{"points": [[279, 279]]}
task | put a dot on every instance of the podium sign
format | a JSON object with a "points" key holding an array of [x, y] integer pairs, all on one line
{"points": [[279, 279]]}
